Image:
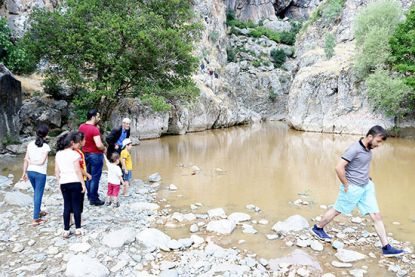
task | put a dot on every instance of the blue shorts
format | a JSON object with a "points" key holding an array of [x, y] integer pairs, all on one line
{"points": [[128, 176], [361, 196]]}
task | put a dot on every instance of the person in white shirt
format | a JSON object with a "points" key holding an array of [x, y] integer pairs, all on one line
{"points": [[69, 175], [35, 168], [114, 179]]}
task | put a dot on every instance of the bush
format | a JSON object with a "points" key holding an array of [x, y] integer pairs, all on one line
{"points": [[231, 55], [52, 86], [374, 25], [106, 50], [392, 96], [12, 53], [262, 31], [230, 15], [288, 38], [214, 36], [278, 57], [328, 10], [256, 63], [329, 44], [402, 48]]}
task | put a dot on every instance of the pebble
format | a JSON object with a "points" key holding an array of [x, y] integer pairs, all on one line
{"points": [[357, 220], [263, 222], [357, 272], [337, 244], [324, 207], [31, 242], [18, 248], [272, 236], [194, 228], [303, 272], [316, 245], [172, 187], [341, 265]]}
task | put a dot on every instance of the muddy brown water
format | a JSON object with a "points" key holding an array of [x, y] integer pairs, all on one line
{"points": [[269, 165]]}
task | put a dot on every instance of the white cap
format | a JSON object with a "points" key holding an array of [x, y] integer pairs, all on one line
{"points": [[126, 120], [126, 142]]}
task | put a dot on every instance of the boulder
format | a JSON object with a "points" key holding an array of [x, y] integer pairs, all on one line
{"points": [[348, 256], [293, 223], [82, 265], [218, 212], [18, 199], [118, 238], [5, 181], [155, 177], [151, 237], [222, 226], [239, 217]]}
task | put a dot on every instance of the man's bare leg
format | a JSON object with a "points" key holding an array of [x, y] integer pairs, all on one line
{"points": [[327, 218], [380, 228]]}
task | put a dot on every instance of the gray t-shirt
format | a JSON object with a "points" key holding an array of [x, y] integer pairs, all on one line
{"points": [[357, 170]]}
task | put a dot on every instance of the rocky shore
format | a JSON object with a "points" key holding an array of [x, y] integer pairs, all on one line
{"points": [[130, 240]]}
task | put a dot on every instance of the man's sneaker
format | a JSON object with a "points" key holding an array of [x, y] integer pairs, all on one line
{"points": [[97, 203], [319, 233], [389, 251]]}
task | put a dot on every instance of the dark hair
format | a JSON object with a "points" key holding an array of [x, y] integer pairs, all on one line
{"points": [[378, 131], [114, 156], [78, 137], [91, 113], [65, 141], [41, 133]]}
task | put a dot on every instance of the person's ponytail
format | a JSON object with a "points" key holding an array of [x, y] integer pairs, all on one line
{"points": [[65, 141], [41, 133]]}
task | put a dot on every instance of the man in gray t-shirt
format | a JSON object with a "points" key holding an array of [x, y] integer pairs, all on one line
{"points": [[357, 189]]}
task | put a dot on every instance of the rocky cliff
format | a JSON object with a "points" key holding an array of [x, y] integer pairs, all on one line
{"points": [[310, 92]]}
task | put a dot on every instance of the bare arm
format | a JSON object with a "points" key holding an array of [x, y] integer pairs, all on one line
{"points": [[25, 165], [78, 171], [98, 143], [57, 171], [341, 173], [124, 167]]}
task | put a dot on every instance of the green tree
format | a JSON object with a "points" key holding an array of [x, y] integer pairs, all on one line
{"points": [[105, 50], [12, 54], [402, 45], [374, 25], [391, 95]]}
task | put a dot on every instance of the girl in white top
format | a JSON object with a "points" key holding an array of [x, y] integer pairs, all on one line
{"points": [[114, 179], [69, 175], [34, 169]]}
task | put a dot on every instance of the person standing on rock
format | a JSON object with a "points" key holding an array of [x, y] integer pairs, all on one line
{"points": [[93, 149], [35, 169], [68, 172], [117, 136], [357, 188]]}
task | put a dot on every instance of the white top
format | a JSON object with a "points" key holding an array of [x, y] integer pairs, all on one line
{"points": [[65, 160], [114, 173], [36, 154]]}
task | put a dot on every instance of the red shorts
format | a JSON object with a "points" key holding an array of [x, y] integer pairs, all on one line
{"points": [[113, 190]]}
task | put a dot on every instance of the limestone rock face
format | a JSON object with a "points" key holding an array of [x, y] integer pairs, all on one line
{"points": [[253, 10], [10, 103]]}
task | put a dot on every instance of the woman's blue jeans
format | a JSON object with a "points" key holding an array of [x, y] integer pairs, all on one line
{"points": [[38, 181]]}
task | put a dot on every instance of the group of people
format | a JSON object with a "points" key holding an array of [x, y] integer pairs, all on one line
{"points": [[78, 167], [77, 174]]}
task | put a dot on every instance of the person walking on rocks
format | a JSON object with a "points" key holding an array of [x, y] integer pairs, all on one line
{"points": [[357, 188], [35, 169], [69, 175], [117, 136], [94, 158]]}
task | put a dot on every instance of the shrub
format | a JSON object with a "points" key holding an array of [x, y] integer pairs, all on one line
{"points": [[332, 9], [256, 63], [374, 25], [278, 57], [329, 44], [12, 53], [214, 36], [402, 48], [52, 86], [392, 96], [262, 31], [230, 15], [231, 54], [288, 37]]}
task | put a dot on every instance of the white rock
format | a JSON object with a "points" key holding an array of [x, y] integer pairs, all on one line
{"points": [[328, 275], [118, 266], [141, 206], [172, 187], [272, 236], [118, 238], [372, 255], [17, 198], [357, 272], [301, 243], [151, 237], [52, 250], [22, 185], [30, 268], [341, 265], [197, 240], [195, 168], [303, 272], [248, 229], [251, 207], [324, 207], [174, 244], [177, 216], [155, 177], [263, 222], [348, 256], [5, 182], [222, 226], [194, 228], [193, 206], [18, 248], [293, 223], [80, 247], [396, 223], [218, 212], [239, 217], [357, 220], [316, 245], [186, 243], [337, 244], [189, 217], [31, 242], [165, 265], [82, 265]]}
